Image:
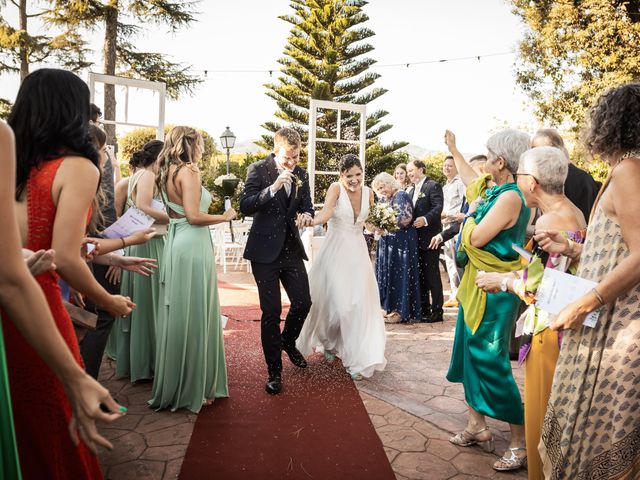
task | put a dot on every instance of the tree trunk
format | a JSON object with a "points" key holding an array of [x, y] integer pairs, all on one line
{"points": [[110, 42], [24, 49]]}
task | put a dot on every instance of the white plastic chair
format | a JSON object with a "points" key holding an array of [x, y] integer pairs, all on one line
{"points": [[227, 251]]}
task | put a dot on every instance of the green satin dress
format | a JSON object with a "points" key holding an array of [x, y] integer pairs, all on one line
{"points": [[190, 360], [9, 463], [480, 361], [133, 337]]}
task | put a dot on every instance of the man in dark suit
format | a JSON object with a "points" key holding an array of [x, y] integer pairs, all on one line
{"points": [[277, 195], [427, 206]]}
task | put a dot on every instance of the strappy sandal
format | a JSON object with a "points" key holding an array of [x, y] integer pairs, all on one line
{"points": [[393, 317], [467, 439], [511, 462], [328, 356]]}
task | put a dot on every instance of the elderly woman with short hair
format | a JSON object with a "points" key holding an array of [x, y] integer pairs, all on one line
{"points": [[541, 178], [397, 256], [480, 358]]}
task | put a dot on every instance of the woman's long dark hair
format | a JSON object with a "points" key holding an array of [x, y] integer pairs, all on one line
{"points": [[50, 119]]}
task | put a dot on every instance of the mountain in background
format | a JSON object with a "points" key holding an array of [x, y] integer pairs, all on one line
{"points": [[417, 152], [247, 146]]}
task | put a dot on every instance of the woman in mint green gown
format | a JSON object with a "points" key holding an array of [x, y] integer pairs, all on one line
{"points": [[134, 336], [9, 463], [190, 368], [480, 356]]}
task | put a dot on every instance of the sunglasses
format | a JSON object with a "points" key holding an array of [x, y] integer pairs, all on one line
{"points": [[528, 175]]}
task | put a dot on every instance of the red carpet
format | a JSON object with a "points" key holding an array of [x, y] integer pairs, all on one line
{"points": [[242, 303], [317, 428]]}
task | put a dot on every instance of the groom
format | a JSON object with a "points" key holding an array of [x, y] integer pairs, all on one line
{"points": [[276, 194]]}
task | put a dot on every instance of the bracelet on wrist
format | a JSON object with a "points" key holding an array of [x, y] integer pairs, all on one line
{"points": [[124, 245], [598, 296]]}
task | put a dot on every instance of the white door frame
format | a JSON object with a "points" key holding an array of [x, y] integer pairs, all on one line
{"points": [[159, 87], [312, 244], [313, 139]]}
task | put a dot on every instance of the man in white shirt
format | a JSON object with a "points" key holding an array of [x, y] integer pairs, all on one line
{"points": [[454, 192]]}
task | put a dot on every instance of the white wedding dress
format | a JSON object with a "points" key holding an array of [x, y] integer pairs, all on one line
{"points": [[345, 317]]}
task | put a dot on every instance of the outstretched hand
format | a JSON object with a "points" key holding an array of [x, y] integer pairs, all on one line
{"points": [[552, 241], [435, 242], [40, 262], [450, 140], [86, 396]]}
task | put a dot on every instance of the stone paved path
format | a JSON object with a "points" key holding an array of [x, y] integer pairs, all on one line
{"points": [[412, 406]]}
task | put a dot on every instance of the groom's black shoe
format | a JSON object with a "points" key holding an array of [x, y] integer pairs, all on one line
{"points": [[435, 317], [296, 357], [274, 384]]}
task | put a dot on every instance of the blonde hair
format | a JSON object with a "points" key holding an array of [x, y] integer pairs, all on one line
{"points": [[182, 146], [288, 136], [385, 179]]}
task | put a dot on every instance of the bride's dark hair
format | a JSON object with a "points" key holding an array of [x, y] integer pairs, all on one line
{"points": [[349, 161]]}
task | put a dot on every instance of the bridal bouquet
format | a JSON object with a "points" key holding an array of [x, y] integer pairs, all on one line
{"points": [[383, 216]]}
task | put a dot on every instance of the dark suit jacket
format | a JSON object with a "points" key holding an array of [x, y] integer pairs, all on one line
{"points": [[272, 215], [429, 205], [581, 189]]}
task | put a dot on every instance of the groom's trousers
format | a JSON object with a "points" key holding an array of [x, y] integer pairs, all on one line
{"points": [[289, 269]]}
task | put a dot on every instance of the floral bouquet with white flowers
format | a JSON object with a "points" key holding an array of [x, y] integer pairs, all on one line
{"points": [[383, 216], [221, 178], [228, 183]]}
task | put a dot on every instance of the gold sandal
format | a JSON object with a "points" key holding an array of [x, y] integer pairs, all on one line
{"points": [[393, 317], [512, 462], [467, 439]]}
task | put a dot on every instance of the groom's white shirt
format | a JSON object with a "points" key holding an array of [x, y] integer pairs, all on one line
{"points": [[416, 194], [416, 190]]}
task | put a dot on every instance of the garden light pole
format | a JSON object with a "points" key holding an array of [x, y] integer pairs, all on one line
{"points": [[227, 140]]}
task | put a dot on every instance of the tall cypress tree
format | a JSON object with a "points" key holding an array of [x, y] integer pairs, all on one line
{"points": [[120, 55], [325, 59]]}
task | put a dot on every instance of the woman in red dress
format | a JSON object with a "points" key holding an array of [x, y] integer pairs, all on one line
{"points": [[57, 178]]}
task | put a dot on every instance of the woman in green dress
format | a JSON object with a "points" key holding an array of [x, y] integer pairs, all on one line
{"points": [[498, 218], [134, 336], [190, 365]]}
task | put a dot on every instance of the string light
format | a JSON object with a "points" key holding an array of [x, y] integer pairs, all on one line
{"points": [[375, 66]]}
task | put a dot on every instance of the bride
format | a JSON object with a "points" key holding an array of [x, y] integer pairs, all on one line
{"points": [[345, 318]]}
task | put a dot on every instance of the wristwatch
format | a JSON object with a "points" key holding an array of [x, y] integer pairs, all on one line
{"points": [[503, 284]]}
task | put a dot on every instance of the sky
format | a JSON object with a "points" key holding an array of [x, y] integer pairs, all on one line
{"points": [[472, 98]]}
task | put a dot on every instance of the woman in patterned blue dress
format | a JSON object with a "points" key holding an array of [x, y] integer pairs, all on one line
{"points": [[397, 256]]}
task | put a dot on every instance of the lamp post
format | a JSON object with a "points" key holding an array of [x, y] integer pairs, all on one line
{"points": [[229, 185], [227, 140]]}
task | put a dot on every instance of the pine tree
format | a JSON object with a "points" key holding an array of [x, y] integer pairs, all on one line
{"points": [[325, 59], [574, 50], [19, 49], [119, 52]]}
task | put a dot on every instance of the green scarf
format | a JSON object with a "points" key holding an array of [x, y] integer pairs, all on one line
{"points": [[472, 298]]}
